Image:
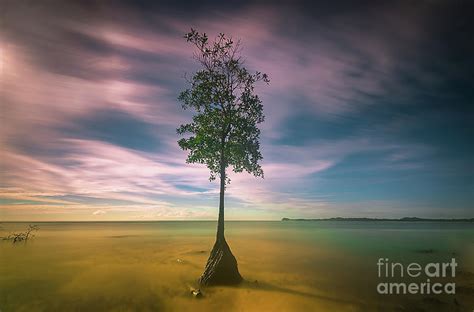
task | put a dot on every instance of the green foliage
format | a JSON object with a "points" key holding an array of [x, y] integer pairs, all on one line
{"points": [[224, 131]]}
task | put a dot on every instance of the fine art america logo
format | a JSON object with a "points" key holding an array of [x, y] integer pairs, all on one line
{"points": [[436, 277]]}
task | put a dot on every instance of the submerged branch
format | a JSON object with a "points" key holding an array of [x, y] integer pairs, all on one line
{"points": [[22, 236]]}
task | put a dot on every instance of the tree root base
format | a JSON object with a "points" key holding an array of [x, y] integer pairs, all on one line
{"points": [[221, 267]]}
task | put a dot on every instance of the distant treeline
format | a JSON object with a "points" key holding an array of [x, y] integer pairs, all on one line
{"points": [[405, 219]]}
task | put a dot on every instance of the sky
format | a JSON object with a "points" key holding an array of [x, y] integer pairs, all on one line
{"points": [[369, 110]]}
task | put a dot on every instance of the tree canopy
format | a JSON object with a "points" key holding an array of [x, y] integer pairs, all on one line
{"points": [[224, 130]]}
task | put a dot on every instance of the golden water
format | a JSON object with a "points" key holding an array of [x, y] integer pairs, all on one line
{"points": [[287, 266]]}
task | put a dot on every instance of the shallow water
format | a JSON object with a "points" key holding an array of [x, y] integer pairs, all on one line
{"points": [[287, 266]]}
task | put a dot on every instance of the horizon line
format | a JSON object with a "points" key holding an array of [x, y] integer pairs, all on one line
{"points": [[242, 220]]}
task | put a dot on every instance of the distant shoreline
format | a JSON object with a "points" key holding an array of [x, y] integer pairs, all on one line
{"points": [[404, 219]]}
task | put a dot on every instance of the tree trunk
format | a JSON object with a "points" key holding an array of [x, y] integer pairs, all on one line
{"points": [[221, 267]]}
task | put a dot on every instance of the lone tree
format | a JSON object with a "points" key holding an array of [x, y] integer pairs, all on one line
{"points": [[223, 132]]}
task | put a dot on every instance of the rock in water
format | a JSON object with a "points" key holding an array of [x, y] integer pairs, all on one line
{"points": [[196, 293]]}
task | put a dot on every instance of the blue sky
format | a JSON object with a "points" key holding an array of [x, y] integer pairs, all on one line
{"points": [[368, 112]]}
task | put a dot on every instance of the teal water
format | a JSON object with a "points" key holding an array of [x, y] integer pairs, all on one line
{"points": [[288, 266]]}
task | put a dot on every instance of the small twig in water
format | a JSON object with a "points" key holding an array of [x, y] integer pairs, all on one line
{"points": [[22, 236]]}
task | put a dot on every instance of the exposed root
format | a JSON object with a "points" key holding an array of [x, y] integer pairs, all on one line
{"points": [[221, 267]]}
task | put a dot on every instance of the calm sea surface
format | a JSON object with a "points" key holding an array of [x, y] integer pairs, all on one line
{"points": [[287, 266]]}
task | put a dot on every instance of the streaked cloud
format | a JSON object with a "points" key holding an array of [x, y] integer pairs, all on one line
{"points": [[359, 110]]}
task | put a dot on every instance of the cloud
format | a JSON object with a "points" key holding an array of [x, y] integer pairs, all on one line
{"points": [[99, 212], [90, 111]]}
